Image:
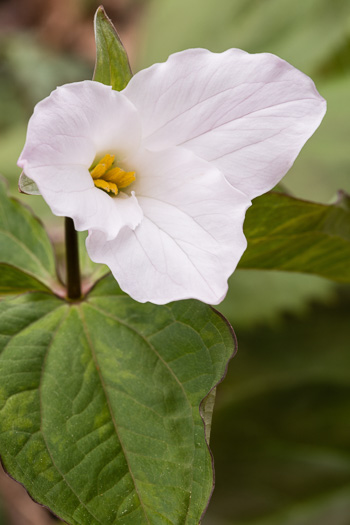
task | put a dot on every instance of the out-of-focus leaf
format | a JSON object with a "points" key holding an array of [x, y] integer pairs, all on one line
{"points": [[281, 440], [11, 143], [11, 107], [293, 235], [36, 71], [307, 34], [99, 404], [256, 297], [330, 508], [112, 65]]}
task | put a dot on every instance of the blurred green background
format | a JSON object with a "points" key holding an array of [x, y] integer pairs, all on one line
{"points": [[281, 429]]}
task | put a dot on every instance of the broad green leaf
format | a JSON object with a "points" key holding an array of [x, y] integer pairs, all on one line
{"points": [[293, 235], [24, 243], [100, 404], [112, 65]]}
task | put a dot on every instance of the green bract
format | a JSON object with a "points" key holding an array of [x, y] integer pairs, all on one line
{"points": [[112, 64]]}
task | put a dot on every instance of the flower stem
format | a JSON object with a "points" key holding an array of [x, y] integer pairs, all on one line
{"points": [[72, 260]]}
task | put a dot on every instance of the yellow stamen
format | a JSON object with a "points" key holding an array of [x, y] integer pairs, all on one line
{"points": [[111, 179], [102, 167], [121, 178], [107, 186]]}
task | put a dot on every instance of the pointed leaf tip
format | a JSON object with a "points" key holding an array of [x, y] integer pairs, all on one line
{"points": [[112, 64]]}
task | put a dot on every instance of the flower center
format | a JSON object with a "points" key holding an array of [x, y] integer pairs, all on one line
{"points": [[108, 178]]}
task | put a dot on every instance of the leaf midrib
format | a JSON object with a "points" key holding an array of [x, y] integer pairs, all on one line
{"points": [[149, 344], [97, 367]]}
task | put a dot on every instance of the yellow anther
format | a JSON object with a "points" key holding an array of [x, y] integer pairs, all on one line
{"points": [[120, 177], [111, 179], [113, 174], [102, 167], [107, 186]]}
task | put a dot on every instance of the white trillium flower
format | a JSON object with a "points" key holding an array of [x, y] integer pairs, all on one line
{"points": [[162, 173]]}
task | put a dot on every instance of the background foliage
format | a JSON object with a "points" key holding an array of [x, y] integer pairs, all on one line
{"points": [[280, 434]]}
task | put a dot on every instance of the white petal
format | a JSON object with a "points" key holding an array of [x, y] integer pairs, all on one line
{"points": [[66, 132], [88, 206], [77, 122], [191, 236], [247, 114]]}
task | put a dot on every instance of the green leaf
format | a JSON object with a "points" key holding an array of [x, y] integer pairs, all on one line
{"points": [[112, 65], [99, 404], [299, 236], [24, 243], [14, 281]]}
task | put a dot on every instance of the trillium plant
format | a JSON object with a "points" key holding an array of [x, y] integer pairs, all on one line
{"points": [[107, 388]]}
